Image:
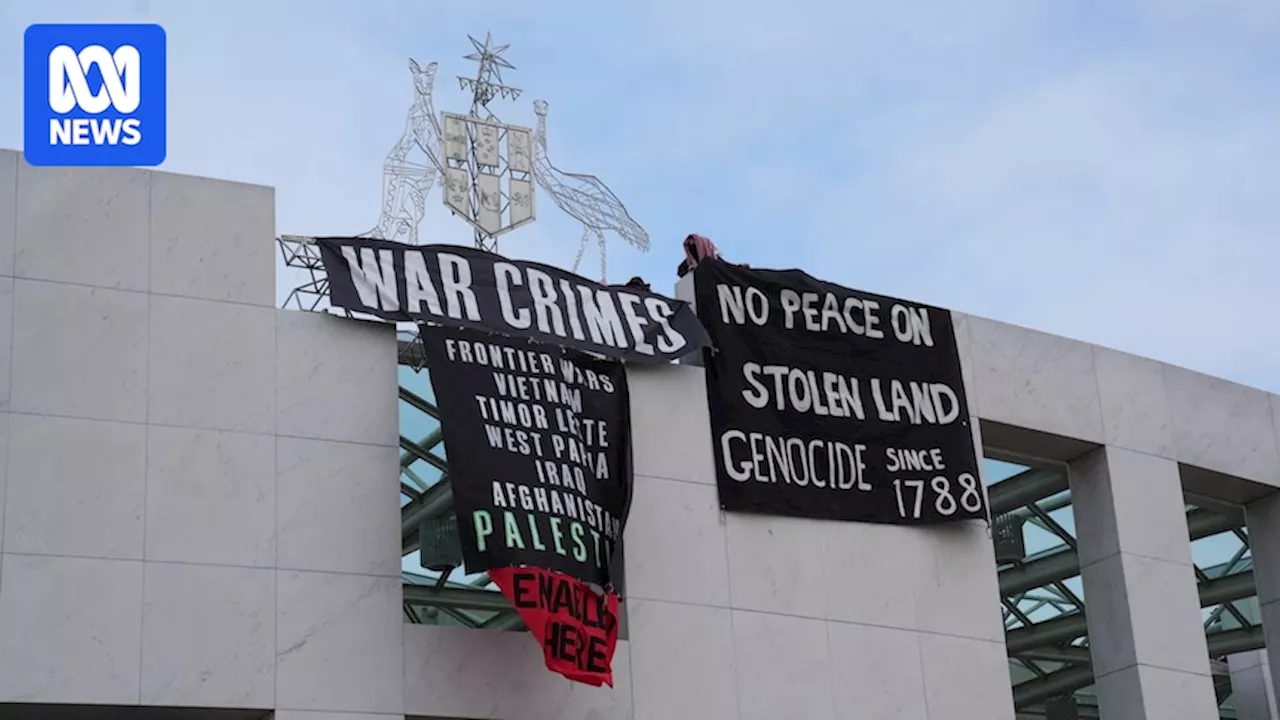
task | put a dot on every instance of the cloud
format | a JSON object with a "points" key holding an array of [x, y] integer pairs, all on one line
{"points": [[1099, 170], [1116, 187], [1114, 204]]}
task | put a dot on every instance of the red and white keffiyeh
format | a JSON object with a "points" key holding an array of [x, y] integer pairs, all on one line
{"points": [[697, 248]]}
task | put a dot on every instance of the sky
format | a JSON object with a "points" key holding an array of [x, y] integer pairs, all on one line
{"points": [[1104, 171]]}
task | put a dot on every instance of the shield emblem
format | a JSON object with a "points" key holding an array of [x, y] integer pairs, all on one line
{"points": [[488, 180]]}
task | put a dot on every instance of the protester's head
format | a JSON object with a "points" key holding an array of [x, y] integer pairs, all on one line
{"points": [[698, 248], [638, 283]]}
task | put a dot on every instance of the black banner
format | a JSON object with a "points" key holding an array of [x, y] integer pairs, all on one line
{"points": [[832, 403], [467, 287], [539, 445]]}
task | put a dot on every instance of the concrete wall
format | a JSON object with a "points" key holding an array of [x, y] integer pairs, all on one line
{"points": [[201, 507], [738, 616], [1252, 692], [201, 500]]}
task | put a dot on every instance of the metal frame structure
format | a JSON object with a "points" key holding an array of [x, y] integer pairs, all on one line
{"points": [[469, 155], [1044, 606], [430, 597], [441, 597]]}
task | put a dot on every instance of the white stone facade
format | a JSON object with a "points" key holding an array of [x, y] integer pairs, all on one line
{"points": [[200, 498]]}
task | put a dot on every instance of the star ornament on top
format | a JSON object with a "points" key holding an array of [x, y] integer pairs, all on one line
{"points": [[488, 81], [487, 54]]}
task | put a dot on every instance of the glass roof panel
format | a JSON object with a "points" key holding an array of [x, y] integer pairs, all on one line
{"points": [[1217, 551], [1219, 556], [1040, 539], [997, 470], [419, 435]]}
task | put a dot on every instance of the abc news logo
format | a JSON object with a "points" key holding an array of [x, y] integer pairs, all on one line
{"points": [[95, 95], [121, 90]]}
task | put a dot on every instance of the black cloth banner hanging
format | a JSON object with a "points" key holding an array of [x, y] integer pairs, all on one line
{"points": [[467, 287], [539, 445], [833, 403]]}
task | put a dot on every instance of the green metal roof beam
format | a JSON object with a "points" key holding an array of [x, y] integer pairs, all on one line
{"points": [[1063, 682], [427, 443], [1065, 563], [419, 402], [1069, 627], [1025, 488], [423, 454], [1067, 656], [1048, 505], [1059, 682], [455, 598], [508, 621]]}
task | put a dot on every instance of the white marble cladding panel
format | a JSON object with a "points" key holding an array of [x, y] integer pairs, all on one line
{"points": [[1263, 520], [937, 579], [211, 497], [4, 470], [84, 225], [776, 564], [675, 543], [6, 337], [213, 365], [9, 160], [1034, 380], [70, 630], [1146, 614], [1252, 691], [682, 661], [670, 428], [966, 679], [878, 672], [208, 636], [212, 239], [1222, 426], [320, 715], [338, 507], [1144, 691], [487, 675], [1275, 413], [1135, 404], [79, 351], [76, 487], [964, 347], [138, 230], [784, 667], [145, 426], [955, 582], [337, 379], [339, 642], [1130, 502]]}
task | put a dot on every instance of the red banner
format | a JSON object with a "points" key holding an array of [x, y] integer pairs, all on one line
{"points": [[576, 626]]}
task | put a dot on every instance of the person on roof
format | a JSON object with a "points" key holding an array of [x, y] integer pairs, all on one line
{"points": [[696, 249], [638, 283]]}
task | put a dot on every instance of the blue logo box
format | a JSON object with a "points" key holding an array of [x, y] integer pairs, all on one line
{"points": [[94, 95]]}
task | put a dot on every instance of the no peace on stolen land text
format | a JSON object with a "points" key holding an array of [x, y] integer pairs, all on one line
{"points": [[834, 403]]}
